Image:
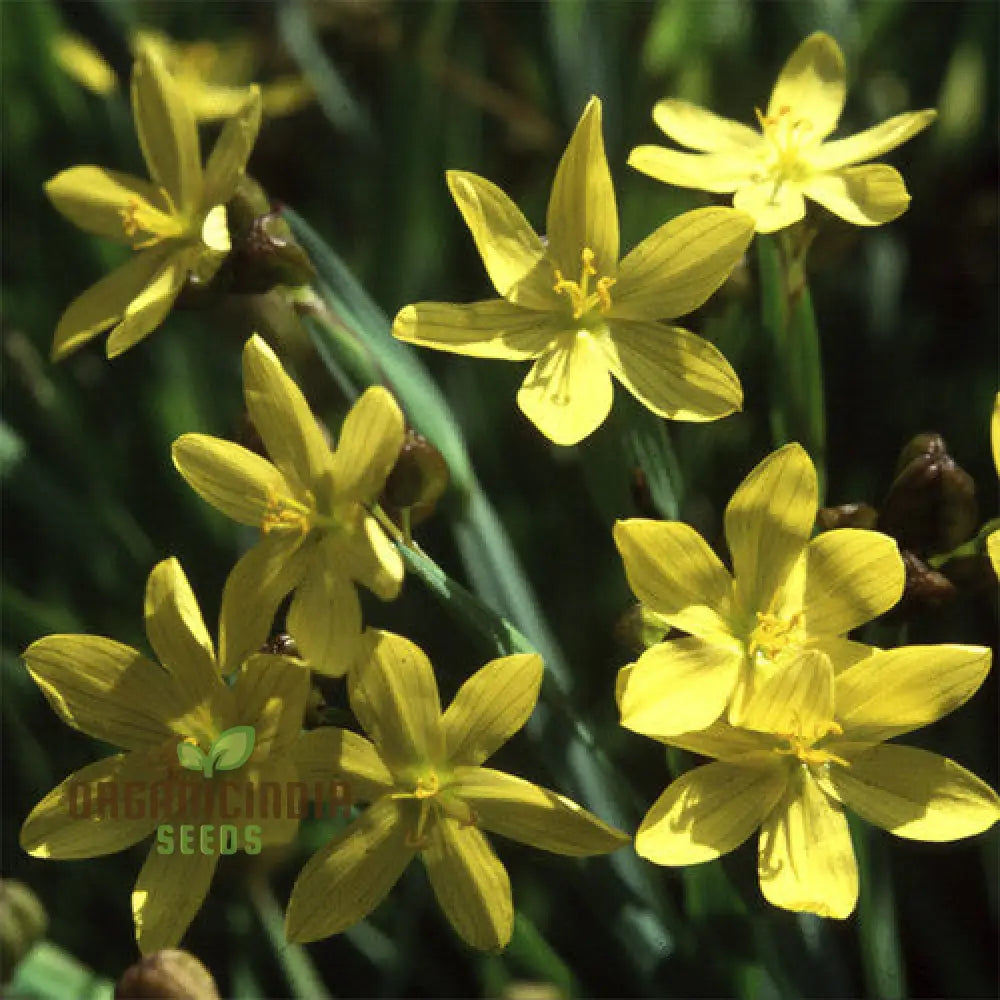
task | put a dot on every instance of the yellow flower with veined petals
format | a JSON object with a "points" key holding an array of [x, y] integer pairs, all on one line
{"points": [[581, 315], [813, 745], [114, 693], [176, 222], [772, 171], [422, 771], [786, 594], [318, 536]]}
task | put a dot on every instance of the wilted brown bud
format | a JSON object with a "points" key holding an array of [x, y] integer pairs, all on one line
{"points": [[170, 974], [417, 481], [638, 628], [847, 515], [22, 922], [925, 588], [931, 506]]}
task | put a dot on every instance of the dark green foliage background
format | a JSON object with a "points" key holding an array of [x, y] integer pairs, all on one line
{"points": [[908, 317]]}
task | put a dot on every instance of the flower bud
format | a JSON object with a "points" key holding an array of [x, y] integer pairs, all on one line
{"points": [[23, 921], [417, 481], [170, 974], [931, 506], [925, 588], [847, 515]]}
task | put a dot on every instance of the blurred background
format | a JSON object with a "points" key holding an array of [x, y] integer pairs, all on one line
{"points": [[372, 101]]}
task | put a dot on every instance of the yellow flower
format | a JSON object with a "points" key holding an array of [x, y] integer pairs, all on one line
{"points": [[214, 78], [993, 539], [815, 744], [790, 159], [176, 222], [312, 505], [422, 771], [112, 692], [569, 304], [786, 594], [84, 63]]}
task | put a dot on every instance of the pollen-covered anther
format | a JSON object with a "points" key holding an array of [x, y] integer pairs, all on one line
{"points": [[774, 634], [579, 293], [283, 512]]}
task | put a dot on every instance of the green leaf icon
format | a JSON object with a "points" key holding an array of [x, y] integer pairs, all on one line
{"points": [[191, 757], [231, 750]]}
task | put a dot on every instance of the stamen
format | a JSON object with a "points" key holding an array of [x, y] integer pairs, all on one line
{"points": [[283, 512], [579, 294]]}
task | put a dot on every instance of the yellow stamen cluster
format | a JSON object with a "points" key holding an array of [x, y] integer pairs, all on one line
{"points": [[807, 753], [582, 299], [785, 137], [432, 794], [283, 512], [144, 226], [773, 635]]}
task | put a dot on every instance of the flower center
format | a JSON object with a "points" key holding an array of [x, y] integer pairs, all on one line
{"points": [[774, 635], [145, 226], [432, 795], [785, 137], [285, 514], [806, 751], [582, 299]]}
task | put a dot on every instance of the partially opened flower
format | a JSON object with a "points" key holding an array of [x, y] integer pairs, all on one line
{"points": [[791, 158], [568, 304], [422, 771], [786, 594], [313, 507], [814, 744], [115, 694], [176, 221]]}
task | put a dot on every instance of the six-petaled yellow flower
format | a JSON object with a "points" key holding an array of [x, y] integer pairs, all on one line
{"points": [[115, 694], [786, 594], [814, 743], [313, 506], [578, 312], [791, 158], [176, 221], [422, 771]]}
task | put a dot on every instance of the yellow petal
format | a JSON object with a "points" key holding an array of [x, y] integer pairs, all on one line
{"points": [[371, 559], [672, 371], [70, 822], [270, 694], [470, 883], [773, 205], [727, 743], [329, 754], [84, 63], [177, 631], [395, 697], [520, 810], [96, 199], [168, 895], [167, 132], [108, 690], [843, 653], [494, 328], [768, 522], [897, 690], [812, 85], [995, 432], [231, 478], [708, 812], [993, 550], [277, 826], [150, 307], [567, 394], [852, 576], [256, 585], [679, 686], [673, 271], [672, 570], [369, 444], [582, 209], [797, 698], [718, 172], [805, 858], [916, 794], [865, 196], [870, 143], [325, 616], [103, 304], [228, 159], [492, 705], [697, 128], [344, 881], [512, 253], [279, 411]]}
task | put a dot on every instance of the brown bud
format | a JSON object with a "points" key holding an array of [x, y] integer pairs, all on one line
{"points": [[417, 481], [170, 974], [22, 922], [925, 588], [847, 515], [638, 628], [931, 506]]}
